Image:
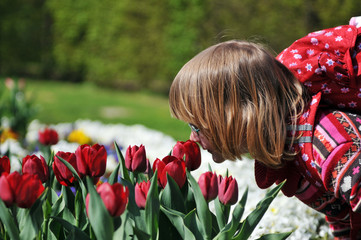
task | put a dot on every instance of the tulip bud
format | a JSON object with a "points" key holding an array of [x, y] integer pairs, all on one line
{"points": [[48, 137], [36, 166], [227, 190], [172, 166], [141, 192], [209, 185], [191, 151], [62, 173], [4, 165], [115, 198], [135, 158], [28, 190], [91, 161]]}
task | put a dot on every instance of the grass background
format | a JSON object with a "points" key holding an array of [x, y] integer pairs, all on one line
{"points": [[59, 102]]}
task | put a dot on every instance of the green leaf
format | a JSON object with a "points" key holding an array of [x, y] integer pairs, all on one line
{"points": [[210, 167], [32, 219], [113, 178], [100, 220], [222, 213], [8, 221], [75, 174], [152, 208], [58, 206], [275, 236], [192, 222], [203, 212], [126, 229], [176, 218], [123, 169], [250, 223], [68, 197], [73, 231], [172, 196], [229, 230], [132, 207]]}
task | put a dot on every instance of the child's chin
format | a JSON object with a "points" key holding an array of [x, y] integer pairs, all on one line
{"points": [[217, 158]]}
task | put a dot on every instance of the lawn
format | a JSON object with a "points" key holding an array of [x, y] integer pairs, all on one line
{"points": [[66, 102]]}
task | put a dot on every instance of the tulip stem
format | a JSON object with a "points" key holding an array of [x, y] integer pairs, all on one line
{"points": [[47, 214]]}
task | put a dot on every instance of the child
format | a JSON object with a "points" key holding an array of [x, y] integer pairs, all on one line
{"points": [[298, 115]]}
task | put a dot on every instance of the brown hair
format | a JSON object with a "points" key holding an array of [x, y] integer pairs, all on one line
{"points": [[241, 98]]}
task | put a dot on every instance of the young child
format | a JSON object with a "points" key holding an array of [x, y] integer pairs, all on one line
{"points": [[298, 115]]}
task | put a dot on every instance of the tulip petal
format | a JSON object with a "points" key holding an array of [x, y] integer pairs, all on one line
{"points": [[6, 193]]}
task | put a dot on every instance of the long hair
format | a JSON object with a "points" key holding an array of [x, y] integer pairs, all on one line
{"points": [[241, 98]]}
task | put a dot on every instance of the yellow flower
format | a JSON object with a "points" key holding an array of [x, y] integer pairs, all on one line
{"points": [[79, 136], [7, 134]]}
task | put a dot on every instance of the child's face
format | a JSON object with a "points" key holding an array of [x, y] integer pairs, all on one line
{"points": [[206, 145]]}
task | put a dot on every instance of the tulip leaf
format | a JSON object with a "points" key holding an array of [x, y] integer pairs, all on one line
{"points": [[176, 218], [123, 169], [68, 197], [125, 230], [74, 232], [275, 236], [8, 221], [100, 220], [210, 167], [192, 222], [58, 206], [113, 178], [222, 212], [230, 229], [203, 212], [152, 208], [172, 196], [75, 174], [250, 223], [215, 227], [132, 207]]}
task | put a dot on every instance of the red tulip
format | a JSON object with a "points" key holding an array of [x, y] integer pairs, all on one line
{"points": [[209, 185], [23, 190], [28, 190], [174, 167], [7, 193], [48, 137], [36, 166], [4, 165], [62, 173], [227, 190], [135, 158], [141, 192], [191, 151], [115, 198], [91, 161]]}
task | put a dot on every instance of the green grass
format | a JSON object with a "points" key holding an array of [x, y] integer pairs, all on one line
{"points": [[66, 102]]}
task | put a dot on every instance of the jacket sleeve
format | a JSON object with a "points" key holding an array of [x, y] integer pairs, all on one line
{"points": [[322, 57], [337, 152]]}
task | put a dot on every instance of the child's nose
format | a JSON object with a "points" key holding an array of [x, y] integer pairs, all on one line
{"points": [[194, 137]]}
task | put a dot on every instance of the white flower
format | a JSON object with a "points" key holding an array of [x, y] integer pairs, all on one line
{"points": [[314, 41], [297, 56], [338, 39], [330, 62], [305, 157], [310, 51]]}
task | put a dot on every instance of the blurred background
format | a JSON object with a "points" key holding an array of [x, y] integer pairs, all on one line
{"points": [[114, 61]]}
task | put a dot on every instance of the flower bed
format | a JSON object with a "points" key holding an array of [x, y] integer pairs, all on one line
{"points": [[284, 214]]}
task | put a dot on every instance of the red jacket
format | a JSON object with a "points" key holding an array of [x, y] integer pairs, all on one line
{"points": [[328, 62]]}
